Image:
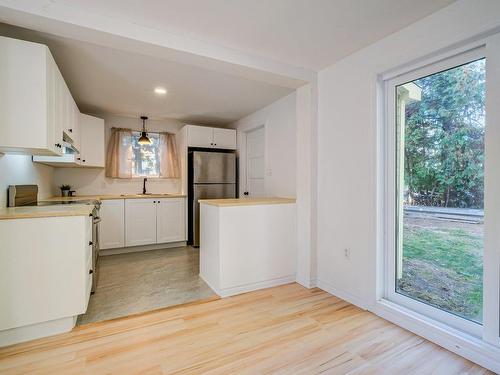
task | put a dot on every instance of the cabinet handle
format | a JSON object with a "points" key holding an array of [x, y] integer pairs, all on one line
{"points": [[83, 160], [91, 272], [245, 193], [70, 130], [58, 145], [90, 243], [78, 158]]}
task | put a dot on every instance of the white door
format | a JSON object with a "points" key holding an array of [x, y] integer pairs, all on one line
{"points": [[224, 138], [140, 222], [255, 163], [111, 228], [170, 220], [200, 136]]}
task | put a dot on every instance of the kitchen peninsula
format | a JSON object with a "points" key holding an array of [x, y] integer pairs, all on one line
{"points": [[247, 244]]}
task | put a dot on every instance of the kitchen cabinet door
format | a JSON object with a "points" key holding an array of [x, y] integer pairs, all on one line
{"points": [[112, 226], [91, 141], [140, 222], [224, 138], [200, 136], [170, 220]]}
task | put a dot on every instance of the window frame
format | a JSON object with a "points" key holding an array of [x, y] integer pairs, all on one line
{"points": [[390, 190]]}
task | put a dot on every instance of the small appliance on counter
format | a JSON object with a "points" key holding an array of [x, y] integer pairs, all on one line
{"points": [[27, 195]]}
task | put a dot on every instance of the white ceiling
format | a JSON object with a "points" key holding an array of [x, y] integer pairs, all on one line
{"points": [[306, 33], [106, 80], [220, 60]]}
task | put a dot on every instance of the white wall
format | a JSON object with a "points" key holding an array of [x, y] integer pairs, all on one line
{"points": [[279, 119], [93, 181], [20, 170], [347, 142]]}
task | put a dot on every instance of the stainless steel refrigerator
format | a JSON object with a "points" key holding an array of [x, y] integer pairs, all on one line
{"points": [[212, 175]]}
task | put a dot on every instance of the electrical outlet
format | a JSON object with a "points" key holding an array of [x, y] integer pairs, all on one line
{"points": [[347, 253]]}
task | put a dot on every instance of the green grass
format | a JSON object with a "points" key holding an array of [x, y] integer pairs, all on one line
{"points": [[444, 267], [453, 249]]}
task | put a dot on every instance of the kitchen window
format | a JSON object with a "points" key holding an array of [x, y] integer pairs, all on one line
{"points": [[145, 158], [126, 158]]}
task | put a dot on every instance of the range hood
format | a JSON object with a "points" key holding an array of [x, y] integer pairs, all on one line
{"points": [[69, 158]]}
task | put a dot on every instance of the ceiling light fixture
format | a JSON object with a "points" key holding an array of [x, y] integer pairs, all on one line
{"points": [[144, 140], [160, 91]]}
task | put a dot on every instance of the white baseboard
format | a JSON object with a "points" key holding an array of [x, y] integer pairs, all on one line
{"points": [[36, 331], [346, 296], [313, 283], [227, 292], [309, 284], [134, 249], [464, 345]]}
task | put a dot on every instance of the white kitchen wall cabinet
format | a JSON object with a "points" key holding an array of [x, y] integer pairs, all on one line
{"points": [[30, 78], [91, 146], [224, 138], [30, 109], [140, 222], [112, 226], [92, 141], [170, 220], [207, 137]]}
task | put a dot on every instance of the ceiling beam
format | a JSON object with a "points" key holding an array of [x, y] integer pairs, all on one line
{"points": [[59, 19]]}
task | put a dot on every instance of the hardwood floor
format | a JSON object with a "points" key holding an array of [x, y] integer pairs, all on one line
{"points": [[282, 330]]}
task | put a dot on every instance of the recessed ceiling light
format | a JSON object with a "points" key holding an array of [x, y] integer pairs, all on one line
{"points": [[160, 91]]}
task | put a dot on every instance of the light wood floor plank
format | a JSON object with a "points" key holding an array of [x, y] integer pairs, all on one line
{"points": [[282, 330]]}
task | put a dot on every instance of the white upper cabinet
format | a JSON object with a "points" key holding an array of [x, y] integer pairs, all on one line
{"points": [[224, 138], [29, 106], [170, 220], [91, 146], [40, 112], [207, 137], [91, 141]]}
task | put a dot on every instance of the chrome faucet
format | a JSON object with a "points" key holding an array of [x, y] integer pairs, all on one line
{"points": [[144, 186]]}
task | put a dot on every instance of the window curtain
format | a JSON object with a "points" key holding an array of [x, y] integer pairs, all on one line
{"points": [[169, 161], [119, 154]]}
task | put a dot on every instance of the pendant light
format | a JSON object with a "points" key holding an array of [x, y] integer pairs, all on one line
{"points": [[144, 140]]}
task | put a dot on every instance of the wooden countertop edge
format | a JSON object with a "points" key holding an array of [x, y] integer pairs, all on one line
{"points": [[81, 210], [246, 202]]}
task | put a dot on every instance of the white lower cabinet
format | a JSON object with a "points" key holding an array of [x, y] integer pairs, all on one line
{"points": [[112, 226], [140, 222], [154, 221], [44, 275], [170, 220]]}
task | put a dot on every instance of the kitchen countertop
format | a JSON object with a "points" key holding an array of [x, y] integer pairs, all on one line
{"points": [[113, 196], [28, 212], [246, 201]]}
